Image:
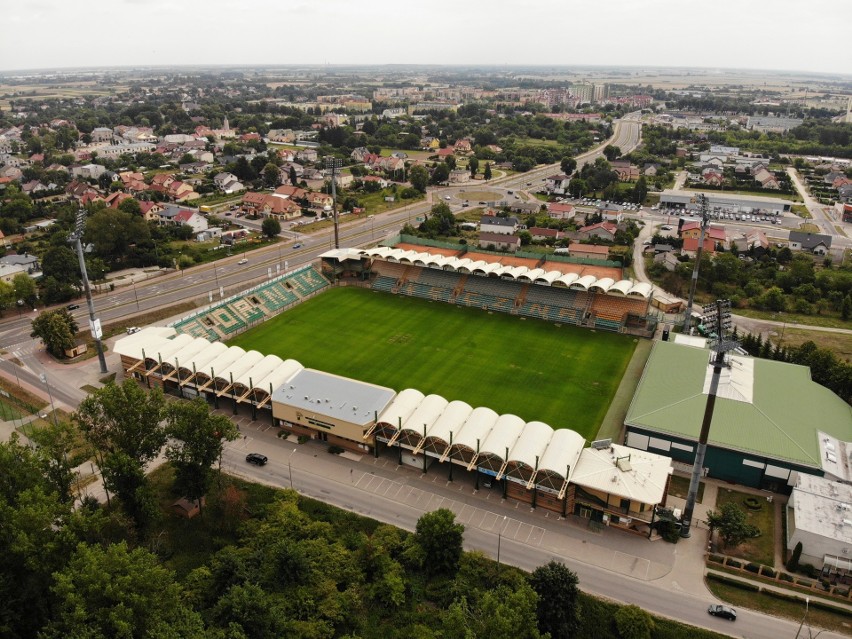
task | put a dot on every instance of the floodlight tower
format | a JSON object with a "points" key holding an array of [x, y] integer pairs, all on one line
{"points": [[705, 222], [332, 164], [717, 319], [94, 323]]}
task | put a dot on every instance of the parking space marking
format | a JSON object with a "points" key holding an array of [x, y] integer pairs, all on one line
{"points": [[488, 521], [536, 536], [510, 528]]}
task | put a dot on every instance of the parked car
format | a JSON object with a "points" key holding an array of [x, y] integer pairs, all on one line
{"points": [[133, 329], [257, 459], [725, 612], [447, 197], [243, 261], [298, 245], [666, 228], [73, 307]]}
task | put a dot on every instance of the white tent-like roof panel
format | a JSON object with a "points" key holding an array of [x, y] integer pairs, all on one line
{"points": [[503, 436], [167, 350], [477, 427], [188, 353], [566, 279], [222, 362], [562, 452], [260, 370], [133, 345], [451, 421], [621, 287], [401, 407], [532, 443], [602, 284], [283, 373], [641, 289], [206, 356], [584, 283], [240, 366], [429, 410]]}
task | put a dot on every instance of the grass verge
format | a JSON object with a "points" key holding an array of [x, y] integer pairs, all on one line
{"points": [[679, 487], [759, 549]]}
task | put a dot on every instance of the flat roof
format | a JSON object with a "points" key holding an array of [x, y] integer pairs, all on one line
{"points": [[719, 197], [627, 472], [823, 507], [764, 407], [318, 393]]}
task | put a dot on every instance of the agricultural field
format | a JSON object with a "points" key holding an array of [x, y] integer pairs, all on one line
{"points": [[564, 376]]}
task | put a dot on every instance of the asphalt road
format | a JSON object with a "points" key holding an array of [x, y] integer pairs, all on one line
{"points": [[326, 479]]}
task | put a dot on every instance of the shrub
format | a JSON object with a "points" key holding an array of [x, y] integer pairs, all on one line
{"points": [[716, 559], [752, 503], [755, 568], [633, 623], [768, 572], [793, 563], [785, 577], [733, 563], [809, 570], [335, 450]]}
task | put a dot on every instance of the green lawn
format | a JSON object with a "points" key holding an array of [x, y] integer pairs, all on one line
{"points": [[761, 549], [564, 376]]}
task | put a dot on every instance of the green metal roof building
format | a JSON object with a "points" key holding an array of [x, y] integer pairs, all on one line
{"points": [[768, 419]]}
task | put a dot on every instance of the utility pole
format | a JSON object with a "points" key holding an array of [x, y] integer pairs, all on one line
{"points": [[716, 316], [332, 164], [94, 323], [705, 222]]}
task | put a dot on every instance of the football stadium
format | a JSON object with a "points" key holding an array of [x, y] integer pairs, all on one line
{"points": [[439, 356]]}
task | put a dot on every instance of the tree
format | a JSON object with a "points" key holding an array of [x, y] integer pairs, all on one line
{"points": [[25, 288], [123, 426], [633, 623], [502, 612], [846, 308], [55, 443], [793, 563], [118, 592], [116, 234], [487, 173], [7, 295], [419, 177], [61, 263], [568, 165], [441, 173], [640, 190], [558, 593], [294, 179], [130, 205], [271, 175], [732, 524], [56, 329], [611, 152], [196, 443], [473, 165], [270, 227], [440, 538], [525, 237]]}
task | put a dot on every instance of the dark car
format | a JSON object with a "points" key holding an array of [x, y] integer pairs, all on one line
{"points": [[73, 307], [725, 612], [257, 459]]}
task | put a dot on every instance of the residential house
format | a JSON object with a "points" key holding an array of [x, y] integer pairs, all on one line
{"points": [[752, 239], [492, 224], [191, 218], [766, 179], [285, 136], [601, 230], [280, 207], [499, 241], [815, 243], [847, 213], [151, 210], [459, 176], [668, 260], [651, 169], [588, 251], [114, 199], [293, 192], [692, 230], [560, 211], [250, 137], [610, 212], [307, 155], [228, 183], [287, 155], [101, 134], [690, 246], [181, 191], [844, 193], [382, 182], [359, 154], [33, 186], [538, 233], [319, 200], [252, 200], [12, 172], [430, 144], [445, 152], [557, 183], [463, 147], [88, 171], [14, 264], [711, 177], [627, 172]]}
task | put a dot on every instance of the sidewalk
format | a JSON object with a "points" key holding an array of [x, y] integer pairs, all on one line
{"points": [[788, 592]]}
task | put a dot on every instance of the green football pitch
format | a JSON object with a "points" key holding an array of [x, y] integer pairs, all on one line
{"points": [[562, 375]]}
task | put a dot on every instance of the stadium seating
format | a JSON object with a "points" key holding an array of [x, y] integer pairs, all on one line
{"points": [[307, 282], [610, 311], [384, 283]]}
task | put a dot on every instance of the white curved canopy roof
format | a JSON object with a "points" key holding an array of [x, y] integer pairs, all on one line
{"points": [[283, 373], [425, 414], [562, 452], [201, 361], [621, 286], [548, 278], [167, 350], [401, 407], [188, 352], [517, 271], [566, 279], [239, 367], [477, 427], [223, 361], [532, 442], [451, 421], [584, 282], [642, 289], [459, 264], [532, 274], [503, 436], [602, 284], [258, 371], [133, 345]]}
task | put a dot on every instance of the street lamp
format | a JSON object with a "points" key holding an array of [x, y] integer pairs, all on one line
{"points": [[500, 538], [43, 379], [807, 602], [290, 468], [133, 282]]}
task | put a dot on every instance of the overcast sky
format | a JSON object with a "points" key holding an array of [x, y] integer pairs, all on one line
{"points": [[811, 35]]}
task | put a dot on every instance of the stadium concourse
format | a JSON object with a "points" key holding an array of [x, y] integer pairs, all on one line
{"points": [[531, 461]]}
